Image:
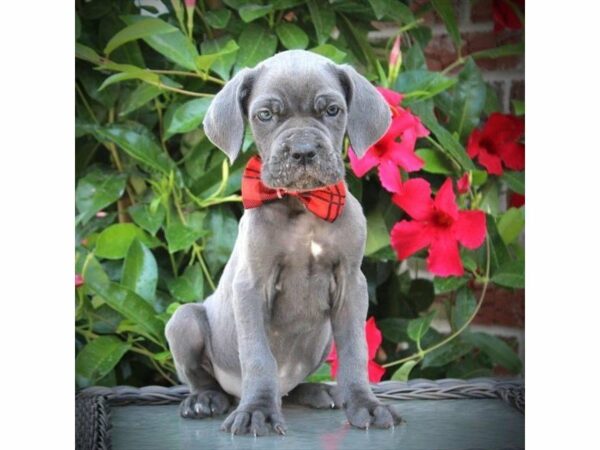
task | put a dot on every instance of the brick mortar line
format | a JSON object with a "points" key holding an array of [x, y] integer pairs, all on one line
{"points": [[437, 30]]}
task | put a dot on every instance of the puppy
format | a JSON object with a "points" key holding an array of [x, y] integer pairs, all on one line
{"points": [[293, 282]]}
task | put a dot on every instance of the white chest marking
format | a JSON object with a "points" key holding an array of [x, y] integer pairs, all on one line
{"points": [[315, 249]]}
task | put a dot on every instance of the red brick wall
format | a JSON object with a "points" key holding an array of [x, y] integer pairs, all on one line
{"points": [[507, 75]]}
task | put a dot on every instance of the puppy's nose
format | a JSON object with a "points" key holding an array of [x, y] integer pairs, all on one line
{"points": [[303, 152]]}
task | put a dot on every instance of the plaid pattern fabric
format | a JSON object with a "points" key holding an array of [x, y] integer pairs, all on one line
{"points": [[326, 202]]}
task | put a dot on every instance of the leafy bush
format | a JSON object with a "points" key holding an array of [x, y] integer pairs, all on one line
{"points": [[158, 204]]}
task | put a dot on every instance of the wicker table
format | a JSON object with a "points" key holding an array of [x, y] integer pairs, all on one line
{"points": [[444, 414]]}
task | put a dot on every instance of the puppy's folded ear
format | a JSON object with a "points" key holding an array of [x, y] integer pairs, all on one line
{"points": [[224, 120], [369, 115]]}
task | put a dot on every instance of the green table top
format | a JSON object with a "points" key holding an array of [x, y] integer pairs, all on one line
{"points": [[430, 425]]}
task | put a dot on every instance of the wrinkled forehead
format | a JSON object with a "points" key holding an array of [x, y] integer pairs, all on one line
{"points": [[297, 85]]}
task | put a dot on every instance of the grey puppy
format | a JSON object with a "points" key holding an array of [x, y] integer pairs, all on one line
{"points": [[293, 282]]}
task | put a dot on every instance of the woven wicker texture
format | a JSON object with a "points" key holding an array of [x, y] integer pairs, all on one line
{"points": [[93, 404]]}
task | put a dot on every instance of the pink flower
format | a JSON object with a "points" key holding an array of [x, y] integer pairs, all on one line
{"points": [[190, 3], [498, 143], [374, 339], [438, 224], [389, 153], [79, 280]]}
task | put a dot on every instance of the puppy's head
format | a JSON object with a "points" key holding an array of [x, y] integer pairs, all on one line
{"points": [[299, 106]]}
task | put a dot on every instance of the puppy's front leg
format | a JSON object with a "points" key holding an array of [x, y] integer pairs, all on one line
{"points": [[363, 409], [260, 405]]}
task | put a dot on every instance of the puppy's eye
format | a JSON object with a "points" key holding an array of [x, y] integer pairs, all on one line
{"points": [[265, 115], [332, 110]]}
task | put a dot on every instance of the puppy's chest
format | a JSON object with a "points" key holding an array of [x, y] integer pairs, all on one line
{"points": [[305, 279]]}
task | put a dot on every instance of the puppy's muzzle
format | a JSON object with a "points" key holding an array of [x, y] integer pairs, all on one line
{"points": [[302, 147], [304, 152]]}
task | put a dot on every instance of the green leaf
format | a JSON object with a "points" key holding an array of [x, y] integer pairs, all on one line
{"points": [[323, 19], [223, 64], [114, 241], [492, 102], [181, 236], [77, 26], [445, 354], [499, 52], [174, 45], [499, 255], [378, 235], [511, 224], [435, 161], [498, 350], [418, 327], [380, 7], [138, 98], [399, 12], [448, 284], [140, 272], [256, 44], [468, 100], [518, 107], [450, 145], [357, 41], [251, 12], [206, 60], [393, 329], [515, 181], [129, 72], [124, 301], [414, 58], [98, 358], [136, 309], [218, 18], [224, 228], [445, 9], [94, 274], [291, 36], [190, 286], [143, 28], [419, 298], [463, 308], [479, 177], [143, 216], [139, 143], [422, 84], [331, 52], [323, 373], [97, 190], [87, 54], [187, 117], [511, 275], [403, 372]]}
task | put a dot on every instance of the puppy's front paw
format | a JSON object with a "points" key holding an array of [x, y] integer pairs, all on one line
{"points": [[254, 419], [205, 403], [365, 413]]}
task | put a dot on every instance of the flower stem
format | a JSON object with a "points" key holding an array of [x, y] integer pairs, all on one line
{"points": [[422, 353], [204, 268], [189, 74]]}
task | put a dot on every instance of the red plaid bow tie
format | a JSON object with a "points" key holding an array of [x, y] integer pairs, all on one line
{"points": [[326, 202]]}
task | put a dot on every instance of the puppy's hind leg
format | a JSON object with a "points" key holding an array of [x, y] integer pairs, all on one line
{"points": [[315, 395], [187, 333]]}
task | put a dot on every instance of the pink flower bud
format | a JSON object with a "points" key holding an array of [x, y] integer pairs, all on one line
{"points": [[78, 280], [101, 214], [463, 184], [395, 53], [190, 3]]}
